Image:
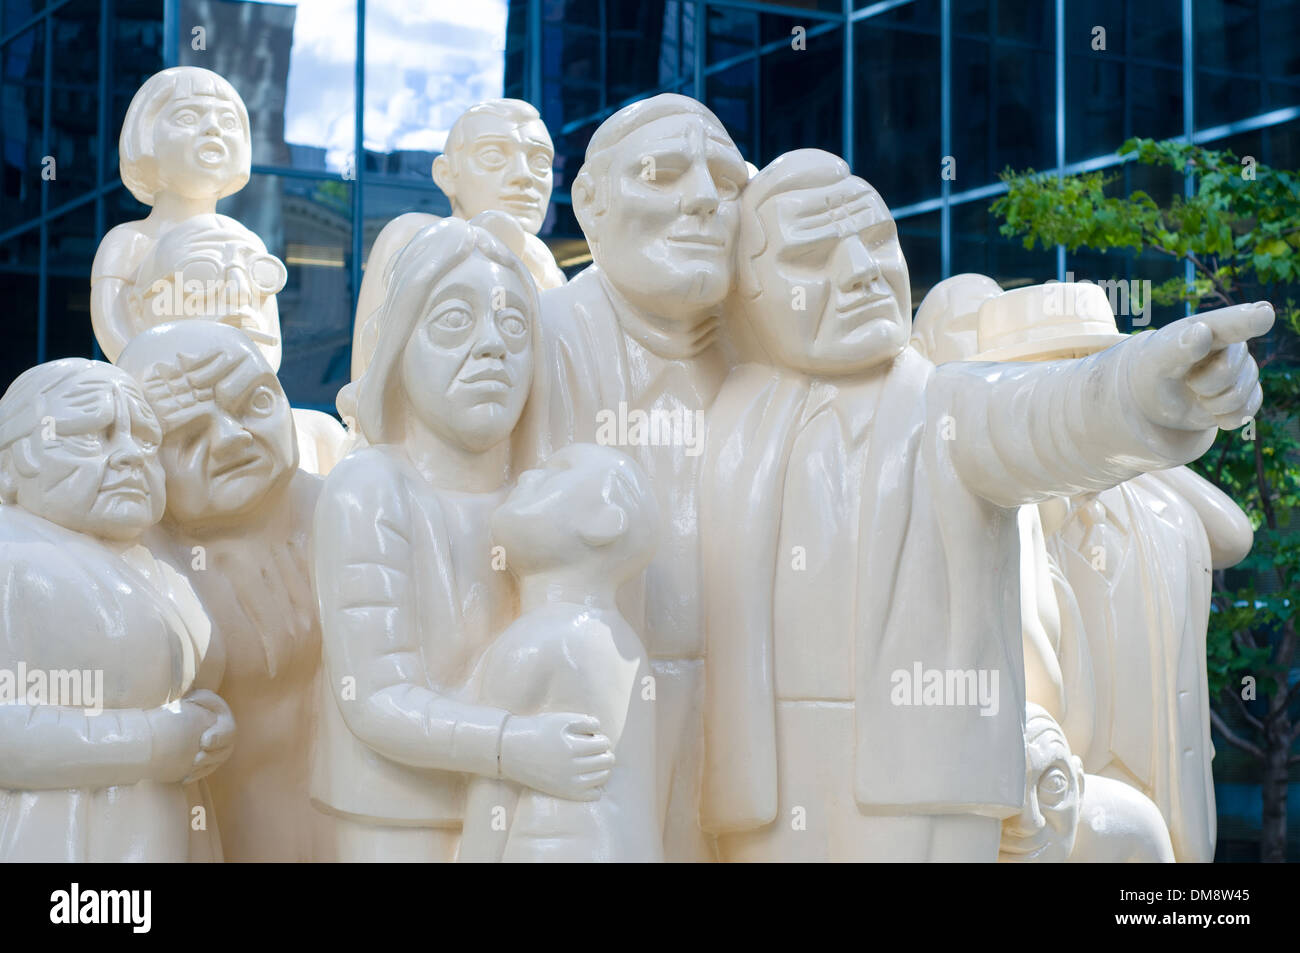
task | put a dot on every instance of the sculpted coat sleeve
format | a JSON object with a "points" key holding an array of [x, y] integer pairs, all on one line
{"points": [[364, 576], [1024, 432], [49, 747]]}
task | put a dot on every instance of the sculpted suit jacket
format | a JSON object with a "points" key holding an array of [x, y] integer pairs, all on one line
{"points": [[952, 451]]}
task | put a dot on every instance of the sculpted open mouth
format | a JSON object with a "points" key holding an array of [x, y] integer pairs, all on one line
{"points": [[212, 152]]}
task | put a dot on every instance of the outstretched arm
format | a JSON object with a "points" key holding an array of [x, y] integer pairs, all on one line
{"points": [[1024, 432]]}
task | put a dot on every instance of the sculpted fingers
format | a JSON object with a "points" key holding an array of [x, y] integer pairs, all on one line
{"points": [[1219, 371]]}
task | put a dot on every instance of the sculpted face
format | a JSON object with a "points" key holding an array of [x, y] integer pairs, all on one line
{"points": [[833, 285], [200, 144], [503, 165], [95, 459], [220, 274], [468, 364], [1044, 830], [228, 435], [666, 238]]}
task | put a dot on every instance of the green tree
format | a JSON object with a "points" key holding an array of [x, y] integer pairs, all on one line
{"points": [[1240, 229]]}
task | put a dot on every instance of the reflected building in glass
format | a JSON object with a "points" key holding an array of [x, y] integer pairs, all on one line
{"points": [[351, 101]]}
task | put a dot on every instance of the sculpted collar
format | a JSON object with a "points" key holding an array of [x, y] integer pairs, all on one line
{"points": [[671, 340]]}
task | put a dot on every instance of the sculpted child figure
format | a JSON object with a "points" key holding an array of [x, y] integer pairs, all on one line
{"points": [[1072, 818], [403, 567], [185, 143], [859, 509], [99, 767], [573, 532], [238, 520], [496, 164]]}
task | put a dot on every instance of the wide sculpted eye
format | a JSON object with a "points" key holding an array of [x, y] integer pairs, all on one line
{"points": [[1053, 787], [540, 162], [453, 319], [512, 323], [262, 401], [185, 117], [492, 157]]}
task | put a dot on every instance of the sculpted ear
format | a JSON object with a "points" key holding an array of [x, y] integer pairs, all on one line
{"points": [[587, 204], [603, 525], [442, 176]]}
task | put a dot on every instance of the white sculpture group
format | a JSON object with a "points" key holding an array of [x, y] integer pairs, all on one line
{"points": [[690, 558]]}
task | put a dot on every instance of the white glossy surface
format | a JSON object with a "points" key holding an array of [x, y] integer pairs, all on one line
{"points": [[925, 527], [80, 481], [408, 593], [574, 531], [1070, 817], [793, 635], [238, 522], [496, 164], [1131, 566]]}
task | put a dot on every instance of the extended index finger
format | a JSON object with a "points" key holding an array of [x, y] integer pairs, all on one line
{"points": [[1241, 322]]}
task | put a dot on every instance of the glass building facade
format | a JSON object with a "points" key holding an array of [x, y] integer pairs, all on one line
{"points": [[351, 100]]}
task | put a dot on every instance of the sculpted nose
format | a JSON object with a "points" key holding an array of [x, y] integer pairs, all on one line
{"points": [[700, 196], [126, 454], [855, 267], [518, 170], [1030, 819], [490, 343], [228, 434]]}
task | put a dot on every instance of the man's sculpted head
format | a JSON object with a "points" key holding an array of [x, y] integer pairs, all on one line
{"points": [[658, 199], [228, 437], [79, 447], [821, 275], [211, 267], [1044, 831], [498, 158], [946, 324], [456, 340]]}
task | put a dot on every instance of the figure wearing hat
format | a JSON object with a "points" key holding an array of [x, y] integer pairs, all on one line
{"points": [[858, 531], [1137, 559]]}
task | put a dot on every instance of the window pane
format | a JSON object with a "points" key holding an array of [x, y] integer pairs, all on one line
{"points": [[897, 113], [427, 63], [294, 66], [74, 102], [22, 64], [802, 94], [307, 223], [72, 242], [979, 247], [919, 236]]}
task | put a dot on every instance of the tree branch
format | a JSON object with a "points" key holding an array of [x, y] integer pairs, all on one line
{"points": [[1245, 712], [1233, 738]]}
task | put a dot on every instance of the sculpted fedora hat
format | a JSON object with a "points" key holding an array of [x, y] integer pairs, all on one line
{"points": [[1043, 322]]}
